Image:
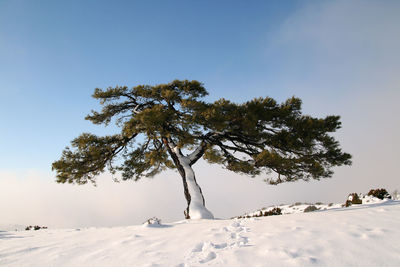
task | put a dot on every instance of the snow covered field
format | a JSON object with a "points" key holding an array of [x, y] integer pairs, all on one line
{"points": [[363, 235]]}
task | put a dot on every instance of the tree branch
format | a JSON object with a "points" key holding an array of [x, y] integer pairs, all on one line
{"points": [[197, 153]]}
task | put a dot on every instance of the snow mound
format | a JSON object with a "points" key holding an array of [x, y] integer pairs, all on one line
{"points": [[371, 199], [299, 207], [290, 209], [153, 222]]}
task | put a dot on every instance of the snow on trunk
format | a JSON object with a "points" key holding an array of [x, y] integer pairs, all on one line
{"points": [[197, 209]]}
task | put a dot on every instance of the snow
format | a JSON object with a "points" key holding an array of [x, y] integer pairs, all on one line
{"points": [[11, 227], [195, 153], [361, 235], [300, 207]]}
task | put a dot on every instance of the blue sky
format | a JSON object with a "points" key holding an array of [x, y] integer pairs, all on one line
{"points": [[340, 57], [54, 53]]}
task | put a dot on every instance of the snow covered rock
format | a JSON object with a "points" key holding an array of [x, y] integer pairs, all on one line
{"points": [[153, 222]]}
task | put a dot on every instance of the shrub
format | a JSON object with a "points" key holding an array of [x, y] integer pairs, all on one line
{"points": [[36, 227], [379, 193], [274, 211], [310, 208], [353, 198]]}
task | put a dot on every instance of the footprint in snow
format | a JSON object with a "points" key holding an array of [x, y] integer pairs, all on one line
{"points": [[211, 255], [198, 247], [235, 224], [220, 246], [204, 252], [236, 235], [207, 246]]}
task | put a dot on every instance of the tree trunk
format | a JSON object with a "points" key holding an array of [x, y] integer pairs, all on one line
{"points": [[196, 208]]}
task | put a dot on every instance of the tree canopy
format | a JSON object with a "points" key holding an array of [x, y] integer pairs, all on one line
{"points": [[160, 123]]}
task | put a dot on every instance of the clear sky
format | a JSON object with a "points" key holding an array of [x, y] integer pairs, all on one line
{"points": [[340, 57]]}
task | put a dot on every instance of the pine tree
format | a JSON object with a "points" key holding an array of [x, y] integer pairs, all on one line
{"points": [[169, 126]]}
